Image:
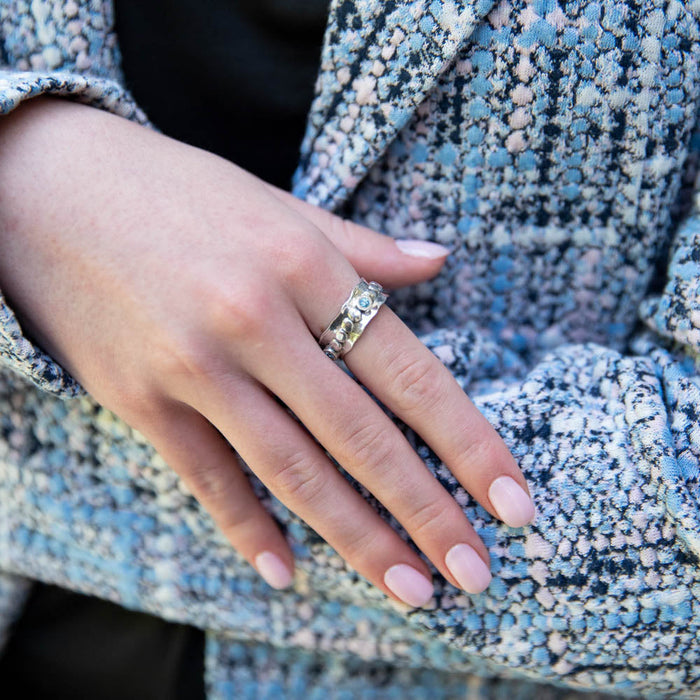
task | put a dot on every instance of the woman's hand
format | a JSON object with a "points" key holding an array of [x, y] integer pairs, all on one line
{"points": [[187, 295]]}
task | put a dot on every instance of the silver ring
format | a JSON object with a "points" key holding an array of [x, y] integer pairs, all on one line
{"points": [[354, 315]]}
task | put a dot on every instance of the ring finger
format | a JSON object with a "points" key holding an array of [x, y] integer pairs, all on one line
{"points": [[293, 466]]}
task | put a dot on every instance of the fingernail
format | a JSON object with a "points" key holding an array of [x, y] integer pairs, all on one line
{"points": [[409, 585], [468, 568], [513, 505], [421, 249], [273, 570]]}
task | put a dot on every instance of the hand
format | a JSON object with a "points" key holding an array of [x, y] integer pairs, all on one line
{"points": [[187, 295]]}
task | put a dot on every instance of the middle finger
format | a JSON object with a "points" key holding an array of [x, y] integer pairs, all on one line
{"points": [[407, 378]]}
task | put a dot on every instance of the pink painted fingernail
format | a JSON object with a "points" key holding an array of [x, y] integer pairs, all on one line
{"points": [[468, 568], [421, 249], [409, 585], [513, 505], [273, 570]]}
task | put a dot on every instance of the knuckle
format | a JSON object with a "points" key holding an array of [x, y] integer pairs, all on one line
{"points": [[428, 517], [137, 406], [343, 231], [299, 478], [371, 445], [209, 484], [304, 255], [418, 384], [236, 522], [240, 313], [125, 393], [181, 357], [477, 451], [364, 546]]}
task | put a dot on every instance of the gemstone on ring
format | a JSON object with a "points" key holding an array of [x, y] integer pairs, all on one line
{"points": [[359, 309]]}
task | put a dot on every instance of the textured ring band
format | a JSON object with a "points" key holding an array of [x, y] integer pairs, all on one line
{"points": [[357, 311]]}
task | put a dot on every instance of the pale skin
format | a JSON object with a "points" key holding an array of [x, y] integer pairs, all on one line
{"points": [[186, 295]]}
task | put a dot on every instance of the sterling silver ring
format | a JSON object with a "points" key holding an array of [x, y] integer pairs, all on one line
{"points": [[354, 315]]}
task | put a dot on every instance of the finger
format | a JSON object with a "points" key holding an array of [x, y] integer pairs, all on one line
{"points": [[368, 445], [403, 374], [392, 263], [210, 469], [297, 471]]}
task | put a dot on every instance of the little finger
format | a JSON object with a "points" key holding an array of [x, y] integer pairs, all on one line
{"points": [[209, 467]]}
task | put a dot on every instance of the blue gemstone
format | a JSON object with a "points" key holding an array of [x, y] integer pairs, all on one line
{"points": [[363, 302]]}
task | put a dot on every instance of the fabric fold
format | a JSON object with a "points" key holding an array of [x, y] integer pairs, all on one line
{"points": [[379, 61]]}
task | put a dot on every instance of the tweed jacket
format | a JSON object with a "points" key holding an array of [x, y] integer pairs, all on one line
{"points": [[552, 145]]}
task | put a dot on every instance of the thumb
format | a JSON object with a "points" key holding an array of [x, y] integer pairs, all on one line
{"points": [[375, 256]]}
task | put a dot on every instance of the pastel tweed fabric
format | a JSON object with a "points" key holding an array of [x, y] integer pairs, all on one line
{"points": [[553, 147]]}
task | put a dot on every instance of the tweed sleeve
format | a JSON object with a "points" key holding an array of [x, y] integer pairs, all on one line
{"points": [[603, 591], [68, 51]]}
